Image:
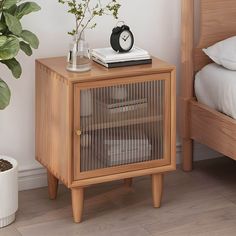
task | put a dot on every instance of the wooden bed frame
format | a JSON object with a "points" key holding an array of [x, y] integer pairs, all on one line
{"points": [[199, 122]]}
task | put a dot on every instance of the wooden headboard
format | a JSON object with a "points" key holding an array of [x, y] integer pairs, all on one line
{"points": [[217, 22]]}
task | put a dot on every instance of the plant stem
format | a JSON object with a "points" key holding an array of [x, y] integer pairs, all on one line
{"points": [[2, 5], [82, 19]]}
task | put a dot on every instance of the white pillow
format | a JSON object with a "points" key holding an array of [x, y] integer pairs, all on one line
{"points": [[223, 53]]}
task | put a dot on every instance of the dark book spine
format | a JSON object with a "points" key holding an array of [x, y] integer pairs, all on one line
{"points": [[129, 63]]}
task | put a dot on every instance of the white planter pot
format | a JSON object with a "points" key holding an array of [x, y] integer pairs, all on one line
{"points": [[8, 193]]}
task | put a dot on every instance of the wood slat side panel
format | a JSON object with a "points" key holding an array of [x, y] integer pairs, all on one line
{"points": [[213, 129], [53, 123], [217, 22]]}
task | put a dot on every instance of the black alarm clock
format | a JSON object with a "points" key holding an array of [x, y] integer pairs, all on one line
{"points": [[122, 39]]}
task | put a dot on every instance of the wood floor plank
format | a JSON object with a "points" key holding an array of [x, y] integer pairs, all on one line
{"points": [[208, 223], [9, 231]]}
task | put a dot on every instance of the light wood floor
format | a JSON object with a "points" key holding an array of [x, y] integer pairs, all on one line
{"points": [[202, 202]]}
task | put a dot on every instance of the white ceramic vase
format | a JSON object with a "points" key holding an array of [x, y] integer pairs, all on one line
{"points": [[8, 193]]}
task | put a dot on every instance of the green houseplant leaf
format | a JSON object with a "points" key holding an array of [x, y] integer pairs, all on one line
{"points": [[9, 3], [11, 35], [26, 8], [13, 23], [5, 95], [30, 38], [12, 10], [2, 27], [14, 66], [25, 47], [9, 47], [3, 40]]}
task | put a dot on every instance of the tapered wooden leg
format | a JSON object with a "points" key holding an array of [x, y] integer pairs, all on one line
{"points": [[52, 186], [128, 182], [77, 203], [157, 188], [187, 154]]}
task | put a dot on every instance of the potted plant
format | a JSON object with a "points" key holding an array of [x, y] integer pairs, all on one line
{"points": [[13, 38], [84, 12]]}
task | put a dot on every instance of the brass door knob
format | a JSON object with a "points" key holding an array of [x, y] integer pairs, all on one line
{"points": [[78, 132]]}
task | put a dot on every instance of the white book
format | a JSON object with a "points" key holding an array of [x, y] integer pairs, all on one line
{"points": [[123, 150], [108, 55]]}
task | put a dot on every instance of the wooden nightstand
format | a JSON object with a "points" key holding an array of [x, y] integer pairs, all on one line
{"points": [[105, 125]]}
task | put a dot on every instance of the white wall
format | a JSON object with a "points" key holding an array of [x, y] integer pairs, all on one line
{"points": [[156, 26]]}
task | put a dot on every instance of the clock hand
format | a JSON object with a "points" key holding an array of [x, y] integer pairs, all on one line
{"points": [[127, 37]]}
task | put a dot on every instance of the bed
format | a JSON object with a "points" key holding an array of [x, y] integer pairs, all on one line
{"points": [[204, 120], [215, 86]]}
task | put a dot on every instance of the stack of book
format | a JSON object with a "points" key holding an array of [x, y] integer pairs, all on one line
{"points": [[111, 59], [114, 107], [126, 151]]}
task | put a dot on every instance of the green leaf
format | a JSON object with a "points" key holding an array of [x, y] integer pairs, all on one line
{"points": [[30, 38], [13, 23], [25, 47], [14, 66], [2, 27], [8, 3], [9, 47], [3, 40], [12, 10], [26, 8], [5, 95]]}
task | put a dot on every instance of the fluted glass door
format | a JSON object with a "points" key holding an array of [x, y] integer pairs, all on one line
{"points": [[122, 124]]}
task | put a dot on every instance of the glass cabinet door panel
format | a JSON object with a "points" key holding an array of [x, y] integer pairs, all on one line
{"points": [[122, 124]]}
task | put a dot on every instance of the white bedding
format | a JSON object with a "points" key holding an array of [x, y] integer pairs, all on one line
{"points": [[215, 87]]}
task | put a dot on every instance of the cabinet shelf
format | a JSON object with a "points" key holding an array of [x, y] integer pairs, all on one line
{"points": [[118, 123], [98, 161]]}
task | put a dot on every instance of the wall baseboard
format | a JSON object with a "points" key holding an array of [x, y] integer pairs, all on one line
{"points": [[37, 177], [31, 179]]}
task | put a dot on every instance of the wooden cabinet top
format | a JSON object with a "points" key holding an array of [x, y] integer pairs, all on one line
{"points": [[98, 72]]}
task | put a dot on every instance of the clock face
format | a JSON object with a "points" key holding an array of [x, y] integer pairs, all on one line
{"points": [[126, 40]]}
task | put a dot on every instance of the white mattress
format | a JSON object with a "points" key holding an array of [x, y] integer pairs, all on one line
{"points": [[215, 87]]}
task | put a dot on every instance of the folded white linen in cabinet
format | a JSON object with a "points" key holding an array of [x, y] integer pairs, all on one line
{"points": [[215, 87], [126, 145], [138, 155]]}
